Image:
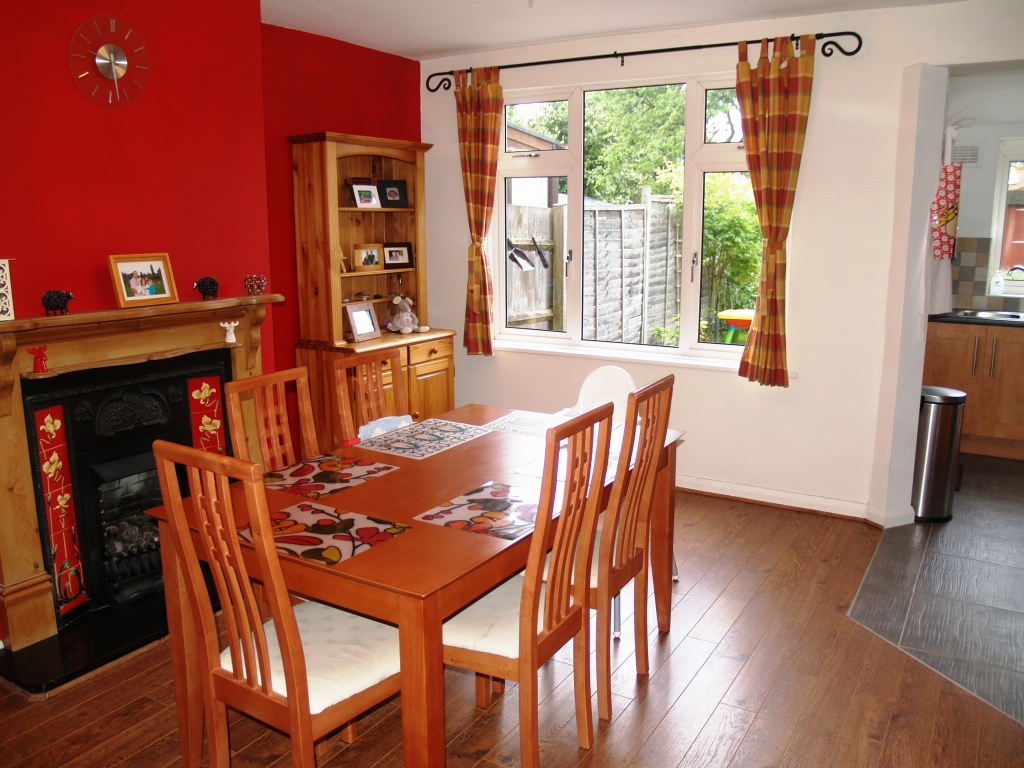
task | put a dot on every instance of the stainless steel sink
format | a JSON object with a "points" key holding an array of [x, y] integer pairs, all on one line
{"points": [[986, 314]]}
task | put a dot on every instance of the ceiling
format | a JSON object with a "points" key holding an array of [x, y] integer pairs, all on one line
{"points": [[986, 94], [427, 29]]}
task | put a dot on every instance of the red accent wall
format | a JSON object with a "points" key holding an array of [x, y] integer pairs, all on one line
{"points": [[312, 84], [180, 170]]}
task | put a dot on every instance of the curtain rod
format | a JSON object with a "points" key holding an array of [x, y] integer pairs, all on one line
{"points": [[827, 49]]}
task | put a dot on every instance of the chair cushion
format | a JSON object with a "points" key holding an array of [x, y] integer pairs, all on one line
{"points": [[345, 653], [491, 624]]}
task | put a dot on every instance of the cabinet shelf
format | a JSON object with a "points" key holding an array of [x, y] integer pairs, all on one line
{"points": [[372, 272], [345, 209]]}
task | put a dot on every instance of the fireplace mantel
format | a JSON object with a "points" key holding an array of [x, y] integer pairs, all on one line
{"points": [[77, 342]]}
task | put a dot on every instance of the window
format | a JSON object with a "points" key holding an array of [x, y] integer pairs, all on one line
{"points": [[603, 244], [1007, 258]]}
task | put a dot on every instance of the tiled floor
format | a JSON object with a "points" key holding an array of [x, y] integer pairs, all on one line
{"points": [[952, 594]]}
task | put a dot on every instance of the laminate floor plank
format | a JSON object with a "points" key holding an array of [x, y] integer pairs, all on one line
{"points": [[718, 740], [913, 536], [859, 743], [817, 731], [973, 581], [755, 680], [128, 742], [957, 730], [1002, 688], [770, 731], [1000, 741], [1002, 546], [976, 633], [908, 738]]}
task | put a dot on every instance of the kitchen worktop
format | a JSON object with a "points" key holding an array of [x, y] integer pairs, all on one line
{"points": [[956, 317]]}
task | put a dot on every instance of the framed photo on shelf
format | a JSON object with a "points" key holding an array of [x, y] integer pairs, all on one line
{"points": [[368, 257], [362, 321], [365, 196], [397, 255], [349, 182], [143, 279], [393, 193]]}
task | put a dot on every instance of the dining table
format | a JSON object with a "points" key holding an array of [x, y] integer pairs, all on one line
{"points": [[414, 580]]}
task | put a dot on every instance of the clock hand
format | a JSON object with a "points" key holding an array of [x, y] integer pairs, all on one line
{"points": [[113, 69]]}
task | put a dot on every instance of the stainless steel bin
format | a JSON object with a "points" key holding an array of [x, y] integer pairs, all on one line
{"points": [[938, 444]]}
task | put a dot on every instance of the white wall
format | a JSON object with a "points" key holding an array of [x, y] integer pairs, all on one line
{"points": [[813, 444], [978, 182]]}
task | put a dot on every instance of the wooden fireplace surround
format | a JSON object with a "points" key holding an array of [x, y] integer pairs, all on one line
{"points": [[73, 343]]}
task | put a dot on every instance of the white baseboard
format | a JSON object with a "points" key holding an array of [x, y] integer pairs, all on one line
{"points": [[890, 518], [773, 496]]}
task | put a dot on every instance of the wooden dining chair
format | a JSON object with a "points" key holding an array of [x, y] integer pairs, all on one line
{"points": [[271, 411], [514, 629], [308, 670], [361, 389], [622, 542]]}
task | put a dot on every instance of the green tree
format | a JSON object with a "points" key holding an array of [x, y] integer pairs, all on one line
{"points": [[731, 261], [630, 136], [722, 121]]}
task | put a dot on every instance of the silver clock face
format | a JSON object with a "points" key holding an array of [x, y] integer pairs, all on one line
{"points": [[110, 61]]}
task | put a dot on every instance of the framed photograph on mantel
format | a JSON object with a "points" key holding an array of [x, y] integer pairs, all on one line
{"points": [[397, 255], [143, 279], [393, 193]]}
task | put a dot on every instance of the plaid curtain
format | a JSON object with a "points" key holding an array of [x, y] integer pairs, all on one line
{"points": [[479, 104], [774, 101]]}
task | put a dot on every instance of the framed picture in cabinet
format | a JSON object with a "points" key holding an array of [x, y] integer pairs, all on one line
{"points": [[143, 279], [365, 196], [393, 194], [397, 255], [368, 257], [362, 321]]}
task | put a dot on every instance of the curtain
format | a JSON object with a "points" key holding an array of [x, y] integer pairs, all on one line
{"points": [[774, 101], [479, 103]]}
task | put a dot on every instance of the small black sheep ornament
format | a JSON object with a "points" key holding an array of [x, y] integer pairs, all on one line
{"points": [[207, 286], [56, 302]]}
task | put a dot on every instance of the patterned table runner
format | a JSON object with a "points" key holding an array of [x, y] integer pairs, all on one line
{"points": [[326, 535], [493, 509], [425, 439], [324, 475], [527, 422]]}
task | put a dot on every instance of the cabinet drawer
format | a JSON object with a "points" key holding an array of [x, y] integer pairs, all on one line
{"points": [[431, 350]]}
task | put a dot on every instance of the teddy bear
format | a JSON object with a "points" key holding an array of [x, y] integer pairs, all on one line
{"points": [[405, 321]]}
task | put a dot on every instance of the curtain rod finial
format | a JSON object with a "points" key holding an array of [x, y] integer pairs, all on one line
{"points": [[445, 81]]}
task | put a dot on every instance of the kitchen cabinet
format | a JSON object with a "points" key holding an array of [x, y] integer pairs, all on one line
{"points": [[986, 362]]}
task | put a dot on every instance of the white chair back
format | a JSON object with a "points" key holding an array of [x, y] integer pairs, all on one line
{"points": [[607, 384]]}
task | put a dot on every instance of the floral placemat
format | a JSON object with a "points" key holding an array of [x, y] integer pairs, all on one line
{"points": [[526, 422], [324, 475], [493, 509], [427, 438], [326, 535]]}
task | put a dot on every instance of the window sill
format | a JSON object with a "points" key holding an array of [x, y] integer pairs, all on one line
{"points": [[730, 365]]}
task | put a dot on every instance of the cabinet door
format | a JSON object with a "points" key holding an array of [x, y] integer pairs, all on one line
{"points": [[1002, 409], [954, 357], [432, 388]]}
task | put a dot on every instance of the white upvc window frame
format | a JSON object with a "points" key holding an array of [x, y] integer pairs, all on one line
{"points": [[569, 163], [1010, 150]]}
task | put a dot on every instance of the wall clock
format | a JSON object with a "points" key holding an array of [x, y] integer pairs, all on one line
{"points": [[110, 61]]}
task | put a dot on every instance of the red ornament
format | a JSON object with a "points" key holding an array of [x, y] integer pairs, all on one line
{"points": [[39, 366]]}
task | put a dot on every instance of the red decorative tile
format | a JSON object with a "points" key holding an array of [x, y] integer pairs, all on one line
{"points": [[206, 413], [61, 519]]}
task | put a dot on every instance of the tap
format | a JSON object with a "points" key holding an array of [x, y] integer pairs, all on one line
{"points": [[1016, 268]]}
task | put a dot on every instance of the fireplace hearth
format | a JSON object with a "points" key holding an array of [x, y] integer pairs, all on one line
{"points": [[94, 476]]}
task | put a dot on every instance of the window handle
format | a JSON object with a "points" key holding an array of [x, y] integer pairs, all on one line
{"points": [[992, 367], [568, 261], [693, 266], [974, 363]]}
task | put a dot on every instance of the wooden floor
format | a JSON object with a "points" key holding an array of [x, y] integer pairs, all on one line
{"points": [[762, 667]]}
